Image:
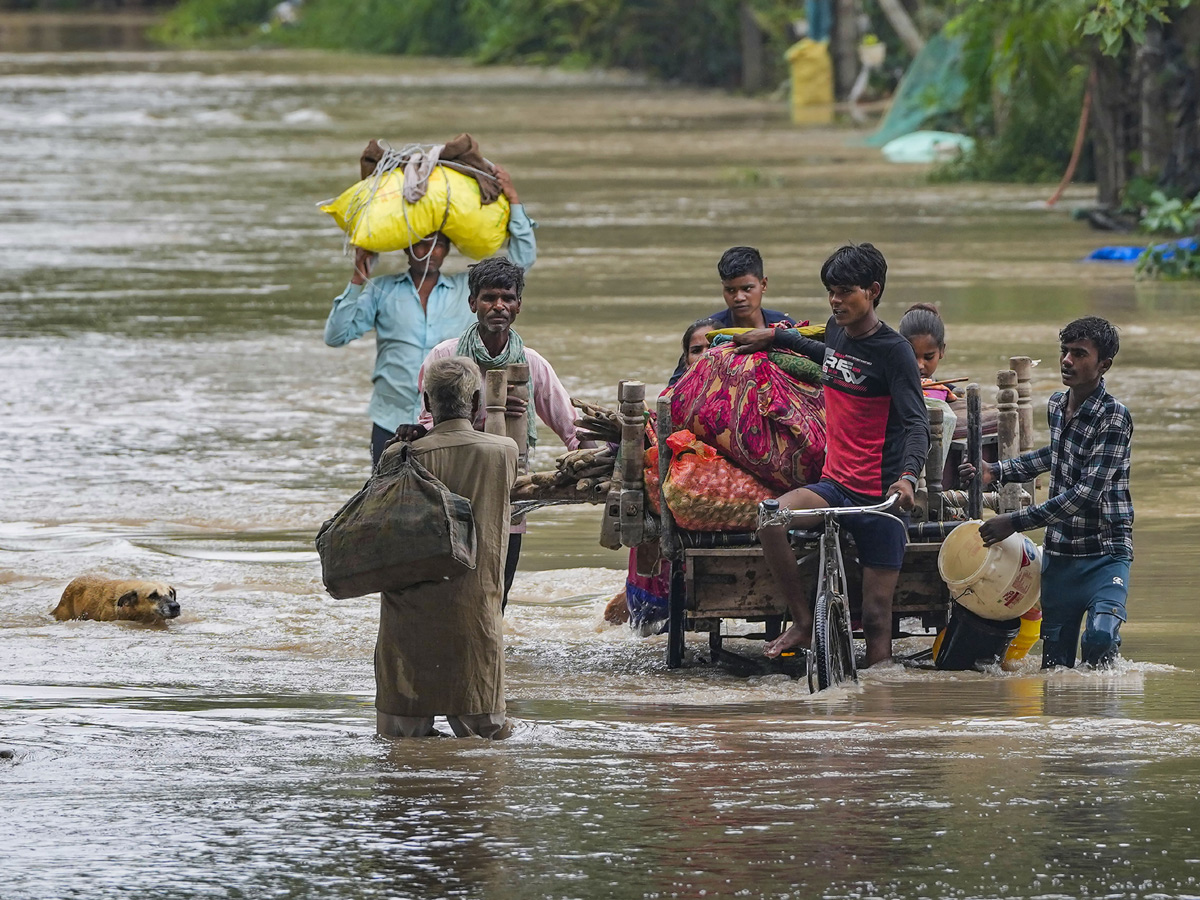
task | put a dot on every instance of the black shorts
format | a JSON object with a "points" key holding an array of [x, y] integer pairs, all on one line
{"points": [[880, 539]]}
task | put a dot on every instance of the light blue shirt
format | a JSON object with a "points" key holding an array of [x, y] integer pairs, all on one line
{"points": [[404, 332]]}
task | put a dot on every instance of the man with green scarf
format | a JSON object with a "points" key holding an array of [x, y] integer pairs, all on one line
{"points": [[495, 287]]}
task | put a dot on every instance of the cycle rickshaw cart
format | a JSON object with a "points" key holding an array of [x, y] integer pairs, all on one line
{"points": [[719, 579]]}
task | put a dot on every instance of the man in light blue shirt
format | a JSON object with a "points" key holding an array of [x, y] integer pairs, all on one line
{"points": [[412, 313]]}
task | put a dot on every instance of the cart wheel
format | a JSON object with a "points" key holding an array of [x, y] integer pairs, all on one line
{"points": [[833, 646], [675, 614]]}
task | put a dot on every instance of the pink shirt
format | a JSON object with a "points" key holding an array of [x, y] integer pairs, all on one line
{"points": [[551, 401]]}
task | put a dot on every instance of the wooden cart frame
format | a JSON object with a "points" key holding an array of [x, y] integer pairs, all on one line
{"points": [[715, 577]]}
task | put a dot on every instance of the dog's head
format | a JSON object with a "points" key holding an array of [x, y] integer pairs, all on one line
{"points": [[147, 602]]}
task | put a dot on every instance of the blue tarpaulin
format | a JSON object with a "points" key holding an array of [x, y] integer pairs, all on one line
{"points": [[1128, 254]]}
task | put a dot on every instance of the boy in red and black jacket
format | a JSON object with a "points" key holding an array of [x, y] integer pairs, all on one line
{"points": [[877, 441]]}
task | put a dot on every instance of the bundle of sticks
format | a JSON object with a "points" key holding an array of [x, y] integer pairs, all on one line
{"points": [[597, 423], [581, 476]]}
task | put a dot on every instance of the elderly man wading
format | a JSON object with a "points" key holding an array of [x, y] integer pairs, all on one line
{"points": [[441, 648]]}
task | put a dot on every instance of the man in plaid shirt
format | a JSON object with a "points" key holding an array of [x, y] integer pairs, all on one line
{"points": [[1088, 516]]}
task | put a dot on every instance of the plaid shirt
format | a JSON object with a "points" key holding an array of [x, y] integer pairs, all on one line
{"points": [[1089, 511]]}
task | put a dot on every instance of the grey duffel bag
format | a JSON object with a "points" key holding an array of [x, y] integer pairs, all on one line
{"points": [[403, 528]]}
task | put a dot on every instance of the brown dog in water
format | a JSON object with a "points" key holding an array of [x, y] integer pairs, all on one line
{"points": [[108, 599]]}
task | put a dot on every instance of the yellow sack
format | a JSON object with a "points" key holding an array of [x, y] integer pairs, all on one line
{"points": [[384, 221], [812, 82]]}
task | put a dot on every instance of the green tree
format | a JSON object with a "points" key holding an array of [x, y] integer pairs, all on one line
{"points": [[1025, 70], [1146, 111], [1027, 63]]}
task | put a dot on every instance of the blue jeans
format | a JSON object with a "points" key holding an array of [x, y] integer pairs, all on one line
{"points": [[1075, 588]]}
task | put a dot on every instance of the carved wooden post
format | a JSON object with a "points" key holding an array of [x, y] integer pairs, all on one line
{"points": [[975, 451], [633, 460], [518, 428], [662, 430], [1008, 440], [610, 520], [934, 464], [495, 401], [1023, 366]]}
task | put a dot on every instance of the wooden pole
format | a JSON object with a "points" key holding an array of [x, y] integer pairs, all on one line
{"points": [[1008, 434], [669, 540], [662, 430], [633, 460], [610, 521], [495, 401], [934, 464], [1023, 366], [518, 428], [975, 451]]}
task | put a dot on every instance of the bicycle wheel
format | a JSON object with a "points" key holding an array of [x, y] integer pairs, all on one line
{"points": [[833, 646]]}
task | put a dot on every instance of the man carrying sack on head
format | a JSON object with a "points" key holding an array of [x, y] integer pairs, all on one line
{"points": [[440, 649]]}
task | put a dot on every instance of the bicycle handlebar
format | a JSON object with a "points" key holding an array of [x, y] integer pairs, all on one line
{"points": [[771, 513]]}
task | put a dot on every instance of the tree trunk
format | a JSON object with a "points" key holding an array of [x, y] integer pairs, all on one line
{"points": [[1182, 167], [902, 24], [1110, 113], [844, 47], [753, 68], [1154, 137]]}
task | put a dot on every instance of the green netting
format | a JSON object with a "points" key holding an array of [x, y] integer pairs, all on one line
{"points": [[932, 86]]}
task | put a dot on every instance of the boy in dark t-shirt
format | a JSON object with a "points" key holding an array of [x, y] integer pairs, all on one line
{"points": [[743, 283], [877, 439]]}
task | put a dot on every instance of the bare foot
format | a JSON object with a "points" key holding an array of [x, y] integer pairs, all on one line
{"points": [[792, 639], [617, 610]]}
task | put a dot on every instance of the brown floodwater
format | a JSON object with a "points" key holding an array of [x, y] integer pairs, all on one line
{"points": [[168, 410]]}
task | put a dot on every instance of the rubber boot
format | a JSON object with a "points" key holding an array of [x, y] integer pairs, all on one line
{"points": [[1101, 640], [1056, 654]]}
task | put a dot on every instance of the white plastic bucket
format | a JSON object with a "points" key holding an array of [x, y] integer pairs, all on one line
{"points": [[1002, 581]]}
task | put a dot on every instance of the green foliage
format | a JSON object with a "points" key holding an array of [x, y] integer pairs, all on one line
{"points": [[205, 20], [1175, 216], [1016, 47], [1113, 22], [1171, 215], [1025, 72], [1034, 145], [695, 41], [1137, 194], [750, 177], [416, 27], [1169, 264]]}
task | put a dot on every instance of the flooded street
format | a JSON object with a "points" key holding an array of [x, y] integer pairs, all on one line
{"points": [[168, 410]]}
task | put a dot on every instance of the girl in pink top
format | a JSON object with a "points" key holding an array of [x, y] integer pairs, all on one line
{"points": [[925, 330]]}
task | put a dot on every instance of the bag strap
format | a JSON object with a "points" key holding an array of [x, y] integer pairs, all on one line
{"points": [[395, 460]]}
